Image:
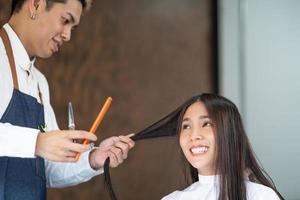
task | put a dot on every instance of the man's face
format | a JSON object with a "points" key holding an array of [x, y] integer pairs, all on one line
{"points": [[54, 26]]}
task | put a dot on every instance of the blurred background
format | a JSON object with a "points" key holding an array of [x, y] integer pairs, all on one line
{"points": [[151, 55]]}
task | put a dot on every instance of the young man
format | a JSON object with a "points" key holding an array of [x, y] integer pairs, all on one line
{"points": [[38, 28]]}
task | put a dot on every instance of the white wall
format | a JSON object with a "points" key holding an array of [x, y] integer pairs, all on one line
{"points": [[260, 72]]}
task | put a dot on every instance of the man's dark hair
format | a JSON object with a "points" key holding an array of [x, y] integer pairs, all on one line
{"points": [[16, 5]]}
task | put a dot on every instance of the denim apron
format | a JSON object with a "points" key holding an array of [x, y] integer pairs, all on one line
{"points": [[21, 178]]}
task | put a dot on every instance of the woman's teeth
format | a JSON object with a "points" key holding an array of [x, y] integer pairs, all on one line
{"points": [[199, 150]]}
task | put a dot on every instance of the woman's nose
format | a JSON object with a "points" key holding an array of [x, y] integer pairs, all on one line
{"points": [[196, 135]]}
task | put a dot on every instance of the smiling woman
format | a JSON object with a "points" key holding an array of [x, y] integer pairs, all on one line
{"points": [[214, 142], [197, 139], [222, 164]]}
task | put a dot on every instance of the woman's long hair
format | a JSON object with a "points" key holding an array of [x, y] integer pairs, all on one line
{"points": [[234, 154]]}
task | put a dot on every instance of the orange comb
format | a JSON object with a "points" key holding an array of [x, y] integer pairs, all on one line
{"points": [[98, 120]]}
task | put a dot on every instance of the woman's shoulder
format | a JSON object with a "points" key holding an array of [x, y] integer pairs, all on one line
{"points": [[172, 196], [258, 191], [193, 192]]}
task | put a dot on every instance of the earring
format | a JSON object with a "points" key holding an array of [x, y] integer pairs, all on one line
{"points": [[32, 16]]}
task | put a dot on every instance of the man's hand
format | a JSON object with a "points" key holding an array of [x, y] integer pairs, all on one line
{"points": [[116, 148], [59, 146]]}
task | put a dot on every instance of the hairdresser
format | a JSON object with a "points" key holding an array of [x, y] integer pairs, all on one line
{"points": [[31, 160]]}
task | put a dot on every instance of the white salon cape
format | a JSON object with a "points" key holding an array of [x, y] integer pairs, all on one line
{"points": [[207, 189], [18, 141]]}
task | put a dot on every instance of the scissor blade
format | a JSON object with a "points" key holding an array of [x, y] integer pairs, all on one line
{"points": [[71, 121]]}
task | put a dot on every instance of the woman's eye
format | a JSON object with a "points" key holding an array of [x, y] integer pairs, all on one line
{"points": [[207, 124], [185, 126]]}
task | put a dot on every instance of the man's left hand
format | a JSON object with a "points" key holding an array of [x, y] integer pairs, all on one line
{"points": [[116, 148]]}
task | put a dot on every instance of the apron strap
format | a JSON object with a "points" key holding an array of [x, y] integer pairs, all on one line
{"points": [[10, 56]]}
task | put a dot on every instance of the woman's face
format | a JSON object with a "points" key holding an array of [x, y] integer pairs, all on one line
{"points": [[197, 139]]}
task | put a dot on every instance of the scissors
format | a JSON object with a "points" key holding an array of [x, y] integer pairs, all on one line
{"points": [[71, 121], [71, 126]]}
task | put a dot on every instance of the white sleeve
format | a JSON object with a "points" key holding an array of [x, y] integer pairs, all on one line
{"points": [[60, 174], [172, 196], [267, 194], [260, 192], [17, 141], [67, 174]]}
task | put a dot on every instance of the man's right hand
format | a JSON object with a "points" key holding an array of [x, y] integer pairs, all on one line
{"points": [[59, 146]]}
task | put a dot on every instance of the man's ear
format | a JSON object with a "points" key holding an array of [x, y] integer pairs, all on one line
{"points": [[36, 4], [33, 6]]}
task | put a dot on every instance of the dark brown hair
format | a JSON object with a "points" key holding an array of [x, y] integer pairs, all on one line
{"points": [[16, 5]]}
